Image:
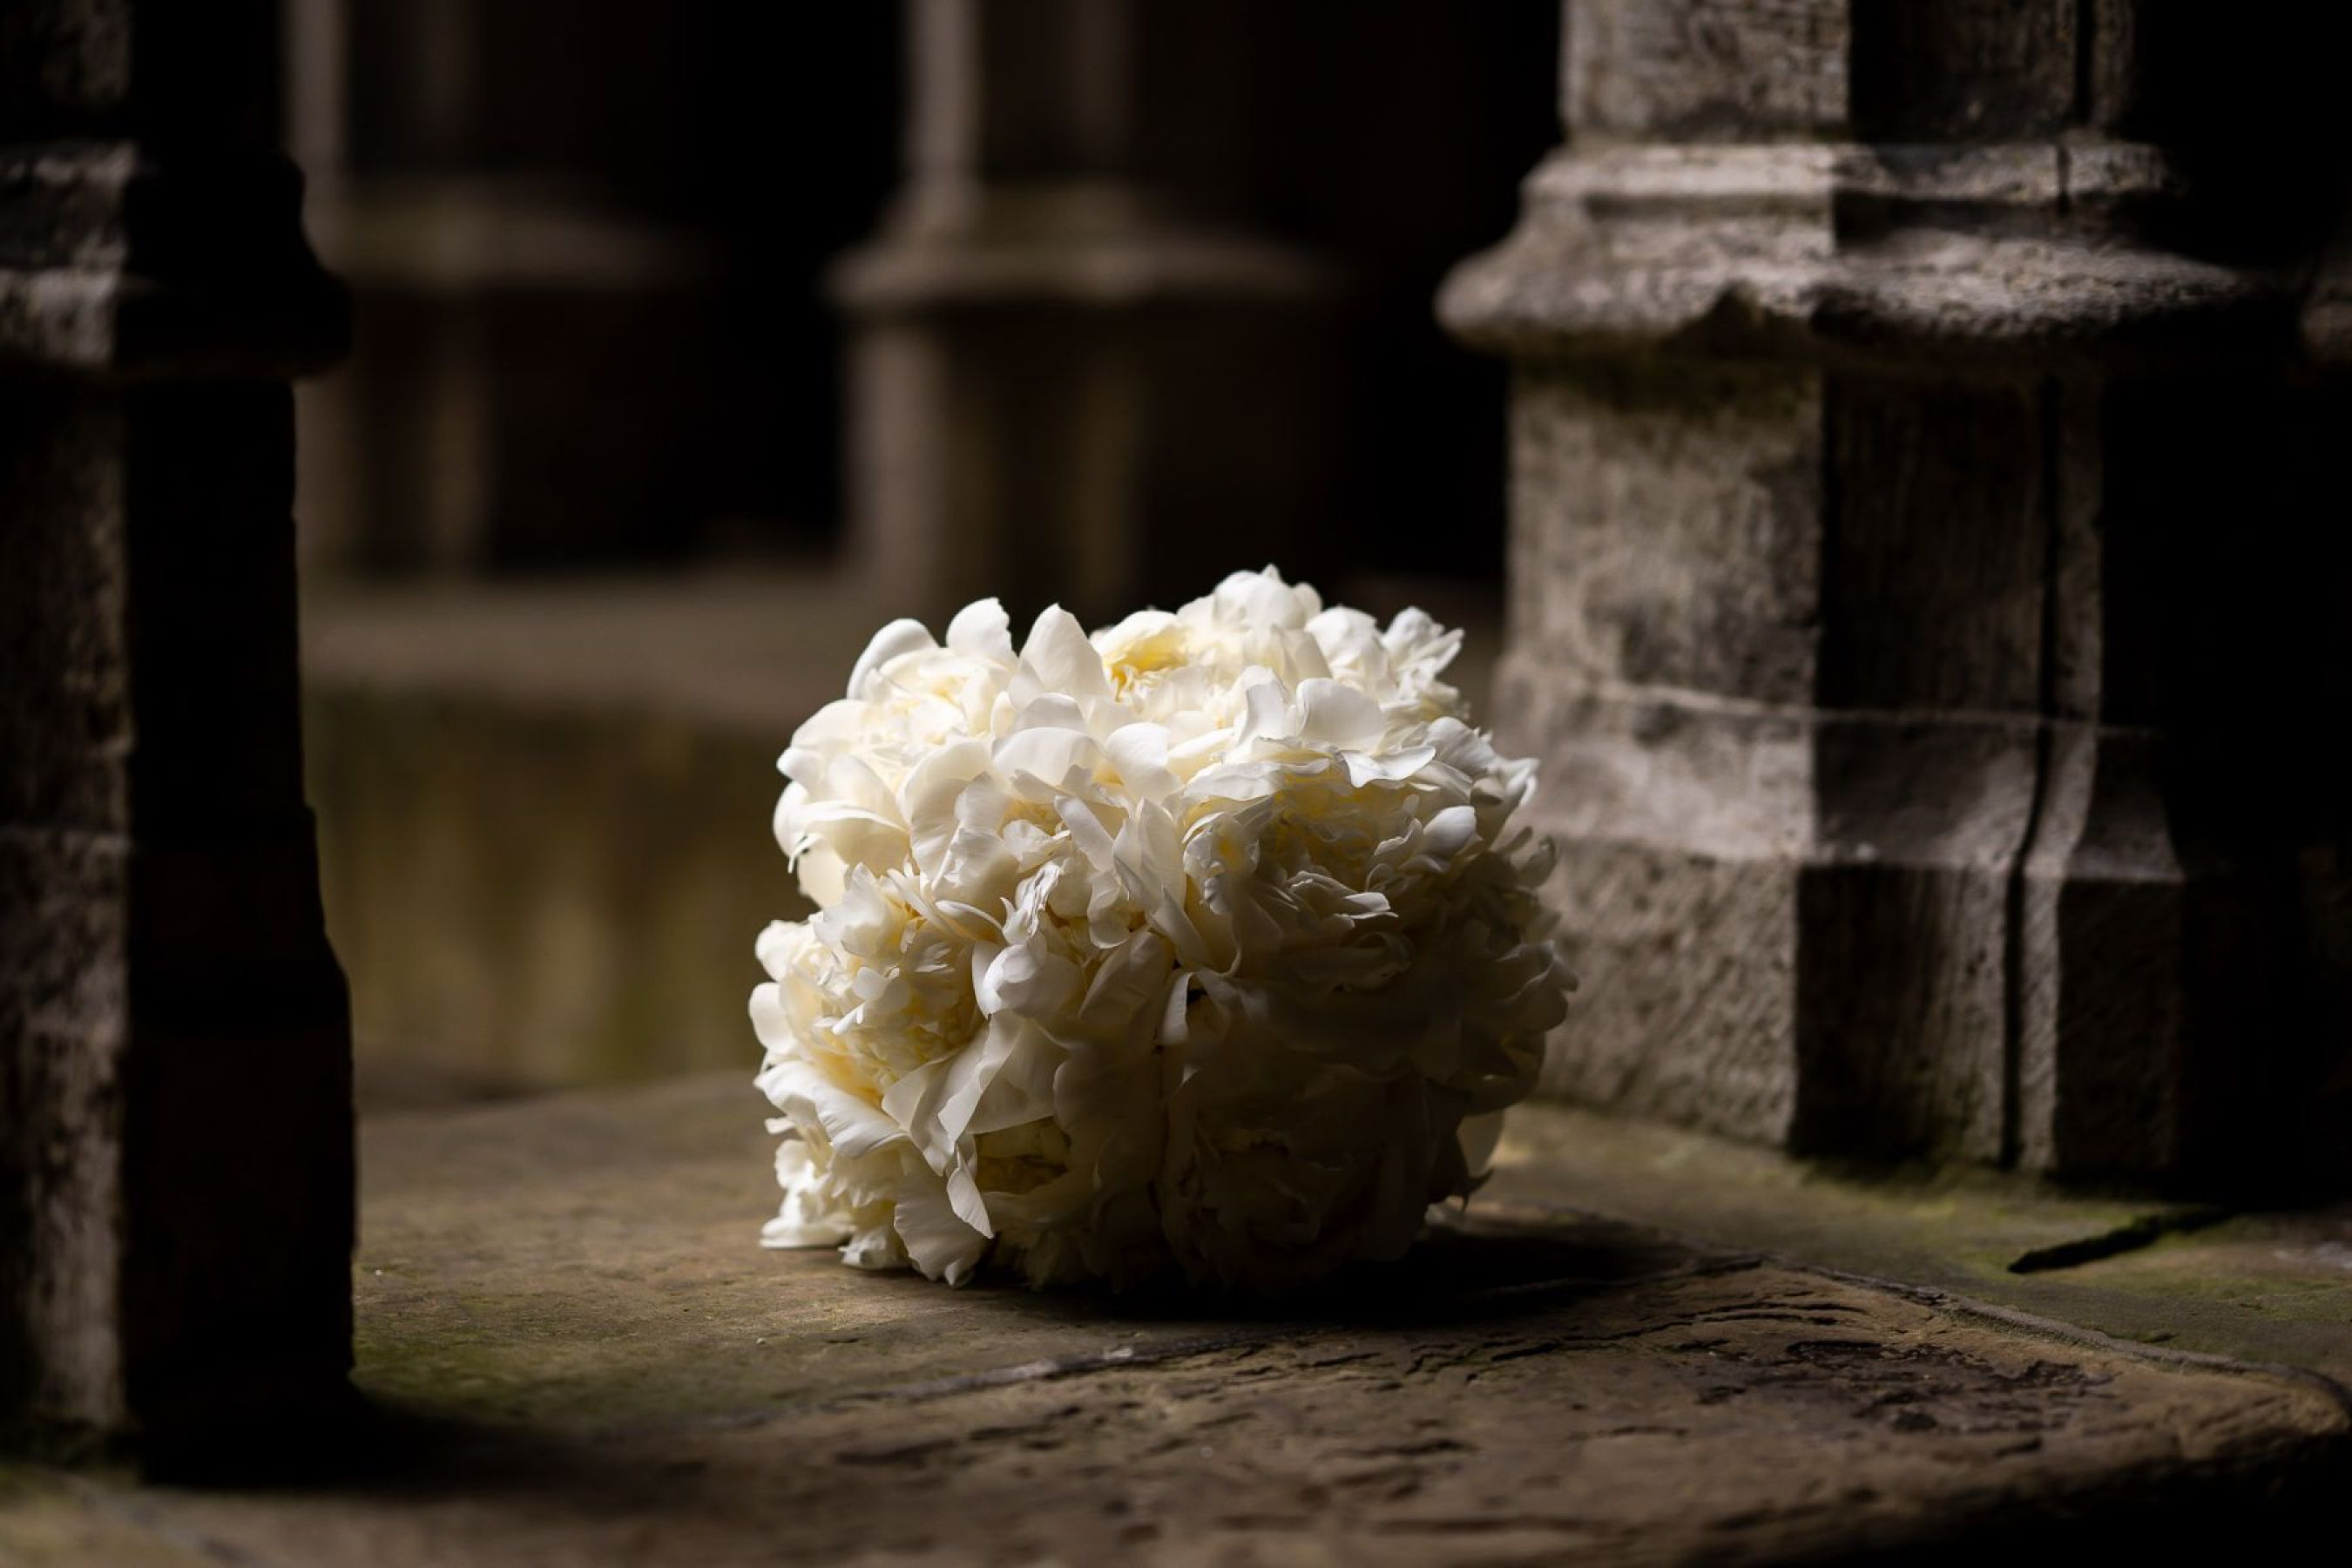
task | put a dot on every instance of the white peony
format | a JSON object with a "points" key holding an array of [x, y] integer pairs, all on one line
{"points": [[1201, 946]]}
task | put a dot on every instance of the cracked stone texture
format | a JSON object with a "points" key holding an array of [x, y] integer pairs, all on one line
{"points": [[582, 1355]]}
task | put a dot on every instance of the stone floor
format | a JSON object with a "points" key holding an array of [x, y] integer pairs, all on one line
{"points": [[1643, 1347]]}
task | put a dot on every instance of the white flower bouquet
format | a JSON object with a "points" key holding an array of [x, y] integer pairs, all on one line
{"points": [[1203, 947]]}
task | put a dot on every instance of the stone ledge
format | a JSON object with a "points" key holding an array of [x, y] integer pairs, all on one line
{"points": [[2003, 257], [586, 1356], [2271, 1288]]}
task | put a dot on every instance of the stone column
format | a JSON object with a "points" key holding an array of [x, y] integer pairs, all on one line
{"points": [[1064, 384], [175, 1154], [533, 383], [1927, 580]]}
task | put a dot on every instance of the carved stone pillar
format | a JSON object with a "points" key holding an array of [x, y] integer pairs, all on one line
{"points": [[1926, 581], [1063, 382], [534, 382], [175, 1156]]}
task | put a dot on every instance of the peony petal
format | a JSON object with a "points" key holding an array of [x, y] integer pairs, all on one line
{"points": [[1268, 703], [1051, 711], [851, 782], [1048, 756], [1087, 831], [963, 1196], [822, 875], [1479, 1136], [969, 1073], [981, 630], [1175, 1015], [1022, 1090], [777, 943], [784, 1235], [1388, 767], [938, 1241], [1331, 714], [852, 1127], [1027, 980], [1139, 753], [1450, 832], [1057, 658], [903, 637], [913, 1102], [770, 1022], [1128, 981], [1264, 599], [929, 795]]}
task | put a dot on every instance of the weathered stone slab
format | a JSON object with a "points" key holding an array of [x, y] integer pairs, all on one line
{"points": [[2263, 1286], [1751, 1417], [588, 1358]]}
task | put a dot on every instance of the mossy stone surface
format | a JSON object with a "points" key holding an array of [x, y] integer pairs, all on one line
{"points": [[577, 1352]]}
